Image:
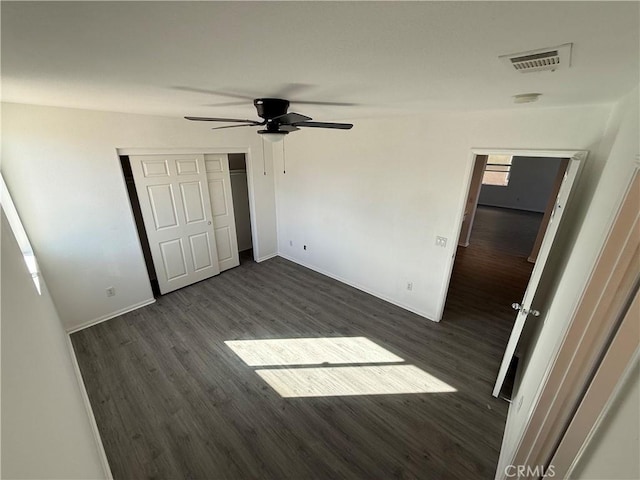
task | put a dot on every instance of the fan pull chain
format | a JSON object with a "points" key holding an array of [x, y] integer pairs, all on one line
{"points": [[264, 160], [284, 159]]}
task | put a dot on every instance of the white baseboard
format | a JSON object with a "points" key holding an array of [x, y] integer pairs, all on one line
{"points": [[109, 316], [92, 419], [266, 257], [358, 287]]}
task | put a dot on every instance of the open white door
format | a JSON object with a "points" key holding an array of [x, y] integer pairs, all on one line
{"points": [[219, 180], [174, 199], [524, 307]]}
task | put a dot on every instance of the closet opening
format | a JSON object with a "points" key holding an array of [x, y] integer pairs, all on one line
{"points": [[125, 163], [240, 195]]}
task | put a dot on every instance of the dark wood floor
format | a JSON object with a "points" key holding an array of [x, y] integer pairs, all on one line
{"points": [[493, 270], [512, 232], [172, 401]]}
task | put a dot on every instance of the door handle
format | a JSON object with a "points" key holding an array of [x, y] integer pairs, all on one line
{"points": [[209, 222], [520, 308]]}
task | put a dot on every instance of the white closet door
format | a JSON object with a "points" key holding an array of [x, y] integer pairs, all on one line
{"points": [[219, 182], [174, 199]]}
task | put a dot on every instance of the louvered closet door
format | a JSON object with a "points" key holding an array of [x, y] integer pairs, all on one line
{"points": [[174, 199], [224, 224]]}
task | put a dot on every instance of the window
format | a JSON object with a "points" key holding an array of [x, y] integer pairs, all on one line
{"points": [[21, 236], [497, 170]]}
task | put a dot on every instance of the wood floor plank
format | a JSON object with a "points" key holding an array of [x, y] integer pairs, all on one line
{"points": [[173, 401]]}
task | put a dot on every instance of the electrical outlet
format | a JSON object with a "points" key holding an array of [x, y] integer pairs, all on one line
{"points": [[410, 286], [441, 241], [111, 292], [304, 247]]}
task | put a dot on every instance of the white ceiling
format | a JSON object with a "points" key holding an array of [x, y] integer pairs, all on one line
{"points": [[170, 58]]}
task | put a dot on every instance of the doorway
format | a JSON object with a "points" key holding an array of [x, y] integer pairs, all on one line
{"points": [[240, 193], [511, 212]]}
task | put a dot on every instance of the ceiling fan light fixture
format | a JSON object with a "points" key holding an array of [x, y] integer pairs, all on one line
{"points": [[272, 137]]}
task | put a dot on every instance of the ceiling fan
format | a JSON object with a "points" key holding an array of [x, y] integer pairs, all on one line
{"points": [[275, 118]]}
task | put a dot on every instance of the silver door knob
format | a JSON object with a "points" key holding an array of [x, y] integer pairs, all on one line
{"points": [[520, 308], [209, 222]]}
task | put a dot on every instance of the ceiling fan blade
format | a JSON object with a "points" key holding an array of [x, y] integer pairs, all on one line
{"points": [[292, 117], [287, 128], [212, 92], [235, 126], [229, 120], [291, 89], [340, 126], [329, 104], [225, 104]]}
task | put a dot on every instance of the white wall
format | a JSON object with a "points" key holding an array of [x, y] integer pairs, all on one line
{"points": [[369, 202], [64, 174], [46, 431], [621, 147], [612, 452], [530, 184]]}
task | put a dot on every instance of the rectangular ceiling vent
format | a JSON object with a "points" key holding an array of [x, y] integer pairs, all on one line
{"points": [[554, 58]]}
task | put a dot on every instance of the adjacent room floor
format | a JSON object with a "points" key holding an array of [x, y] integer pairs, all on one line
{"points": [[492, 273], [172, 400], [505, 230]]}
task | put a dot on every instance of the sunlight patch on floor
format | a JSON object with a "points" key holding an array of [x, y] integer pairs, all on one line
{"points": [[365, 380], [311, 351]]}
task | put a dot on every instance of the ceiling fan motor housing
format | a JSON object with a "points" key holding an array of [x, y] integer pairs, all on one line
{"points": [[269, 108]]}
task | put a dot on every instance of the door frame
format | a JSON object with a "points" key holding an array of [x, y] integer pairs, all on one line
{"points": [[580, 155], [473, 197], [255, 238]]}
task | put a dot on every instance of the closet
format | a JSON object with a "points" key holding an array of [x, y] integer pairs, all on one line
{"points": [[185, 212]]}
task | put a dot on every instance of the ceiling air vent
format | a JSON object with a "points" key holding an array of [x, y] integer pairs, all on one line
{"points": [[554, 58]]}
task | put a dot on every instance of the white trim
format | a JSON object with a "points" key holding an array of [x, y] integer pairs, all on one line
{"points": [[92, 419], [181, 150], [253, 220], [358, 287], [109, 316], [577, 154], [580, 155], [266, 257]]}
